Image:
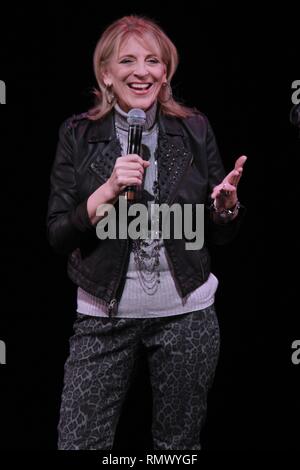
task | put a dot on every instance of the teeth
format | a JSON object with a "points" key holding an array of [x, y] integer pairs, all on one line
{"points": [[140, 86]]}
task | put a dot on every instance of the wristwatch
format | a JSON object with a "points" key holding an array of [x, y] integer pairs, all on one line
{"points": [[226, 214]]}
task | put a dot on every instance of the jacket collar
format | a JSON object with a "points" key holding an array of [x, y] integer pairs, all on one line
{"points": [[103, 130], [169, 125]]}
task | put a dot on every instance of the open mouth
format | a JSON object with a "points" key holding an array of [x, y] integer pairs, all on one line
{"points": [[140, 87]]}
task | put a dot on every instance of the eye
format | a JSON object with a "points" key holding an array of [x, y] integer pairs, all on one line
{"points": [[153, 60], [125, 61]]}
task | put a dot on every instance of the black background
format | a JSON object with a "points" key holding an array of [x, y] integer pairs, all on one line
{"points": [[235, 66]]}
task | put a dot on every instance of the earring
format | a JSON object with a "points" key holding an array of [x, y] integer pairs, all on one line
{"points": [[109, 94], [166, 92]]}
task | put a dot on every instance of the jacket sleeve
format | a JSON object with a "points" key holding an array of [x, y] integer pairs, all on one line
{"points": [[67, 217], [218, 233]]}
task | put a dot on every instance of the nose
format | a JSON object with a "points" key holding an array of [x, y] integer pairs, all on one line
{"points": [[141, 69]]}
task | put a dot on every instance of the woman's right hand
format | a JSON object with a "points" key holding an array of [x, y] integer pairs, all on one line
{"points": [[128, 171]]}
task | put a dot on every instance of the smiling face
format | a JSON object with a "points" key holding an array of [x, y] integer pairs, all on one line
{"points": [[136, 72]]}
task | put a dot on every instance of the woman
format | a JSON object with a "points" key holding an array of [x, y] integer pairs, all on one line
{"points": [[148, 293]]}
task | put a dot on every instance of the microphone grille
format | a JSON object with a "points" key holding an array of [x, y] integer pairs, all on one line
{"points": [[136, 117]]}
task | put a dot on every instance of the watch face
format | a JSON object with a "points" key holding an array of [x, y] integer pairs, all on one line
{"points": [[225, 213]]}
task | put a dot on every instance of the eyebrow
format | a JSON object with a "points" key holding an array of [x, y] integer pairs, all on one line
{"points": [[133, 56]]}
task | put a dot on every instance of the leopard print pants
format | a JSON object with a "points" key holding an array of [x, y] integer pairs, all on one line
{"points": [[182, 353]]}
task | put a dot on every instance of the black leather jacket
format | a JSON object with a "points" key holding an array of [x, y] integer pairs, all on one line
{"points": [[189, 166]]}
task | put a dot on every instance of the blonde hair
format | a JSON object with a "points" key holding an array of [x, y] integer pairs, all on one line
{"points": [[112, 37]]}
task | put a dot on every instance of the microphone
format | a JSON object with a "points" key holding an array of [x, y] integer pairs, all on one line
{"points": [[136, 119]]}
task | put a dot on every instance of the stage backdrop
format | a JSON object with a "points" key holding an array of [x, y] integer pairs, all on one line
{"points": [[238, 68]]}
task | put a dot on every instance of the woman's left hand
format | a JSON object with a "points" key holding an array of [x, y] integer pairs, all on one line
{"points": [[225, 193]]}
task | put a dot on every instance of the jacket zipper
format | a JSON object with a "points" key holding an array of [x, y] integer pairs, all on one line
{"points": [[169, 202], [114, 301], [111, 306]]}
